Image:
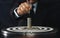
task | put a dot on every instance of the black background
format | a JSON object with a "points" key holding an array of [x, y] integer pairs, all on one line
{"points": [[53, 7]]}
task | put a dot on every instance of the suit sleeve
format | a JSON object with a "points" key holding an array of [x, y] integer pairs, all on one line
{"points": [[12, 15]]}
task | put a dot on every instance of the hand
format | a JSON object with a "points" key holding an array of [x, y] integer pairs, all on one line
{"points": [[23, 8]]}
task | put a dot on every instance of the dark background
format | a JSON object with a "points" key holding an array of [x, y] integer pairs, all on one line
{"points": [[53, 7]]}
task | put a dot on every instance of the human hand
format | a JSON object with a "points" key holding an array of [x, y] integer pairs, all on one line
{"points": [[23, 8]]}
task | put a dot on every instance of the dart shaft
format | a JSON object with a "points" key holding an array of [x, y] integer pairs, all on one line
{"points": [[29, 25]]}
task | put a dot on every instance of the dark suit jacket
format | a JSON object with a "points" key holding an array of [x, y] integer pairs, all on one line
{"points": [[40, 18], [45, 15]]}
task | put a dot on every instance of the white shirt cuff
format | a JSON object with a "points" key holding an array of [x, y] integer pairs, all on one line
{"points": [[15, 12]]}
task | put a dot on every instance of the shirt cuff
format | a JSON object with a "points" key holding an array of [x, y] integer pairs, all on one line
{"points": [[15, 12]]}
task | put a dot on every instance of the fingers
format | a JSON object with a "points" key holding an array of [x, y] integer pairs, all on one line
{"points": [[23, 8], [19, 11], [26, 5]]}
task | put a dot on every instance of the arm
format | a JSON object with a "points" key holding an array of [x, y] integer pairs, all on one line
{"points": [[21, 10]]}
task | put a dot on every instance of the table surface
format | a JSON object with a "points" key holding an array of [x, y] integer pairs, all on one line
{"points": [[24, 37]]}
